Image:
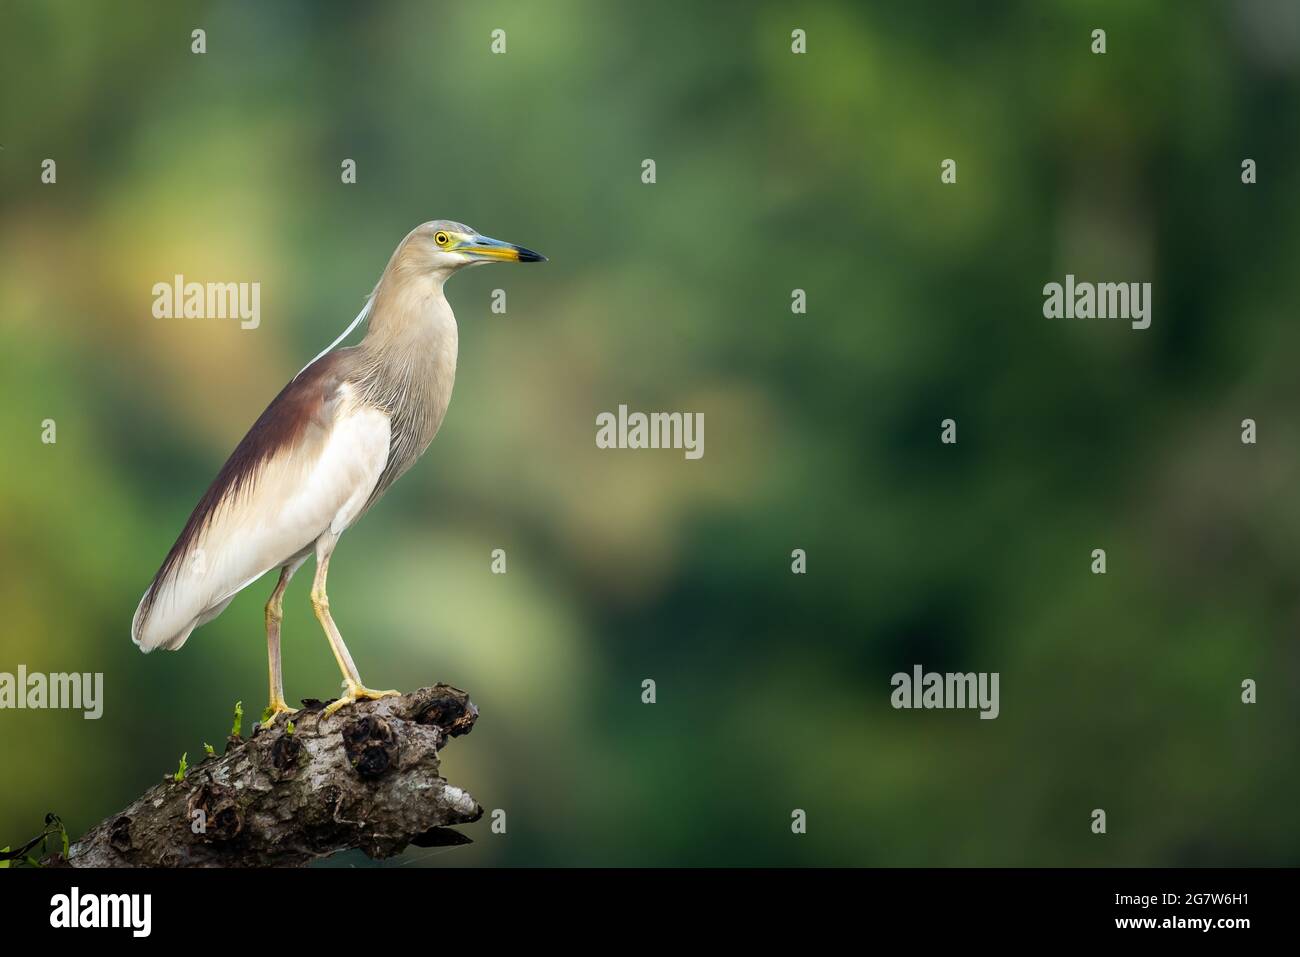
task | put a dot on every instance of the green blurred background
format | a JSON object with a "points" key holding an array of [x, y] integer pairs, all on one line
{"points": [[775, 171]]}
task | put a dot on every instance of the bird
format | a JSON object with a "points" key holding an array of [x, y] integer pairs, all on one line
{"points": [[325, 450]]}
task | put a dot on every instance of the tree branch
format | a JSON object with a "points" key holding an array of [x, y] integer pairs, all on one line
{"points": [[366, 777]]}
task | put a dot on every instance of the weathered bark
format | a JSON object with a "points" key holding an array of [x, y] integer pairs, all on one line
{"points": [[366, 777]]}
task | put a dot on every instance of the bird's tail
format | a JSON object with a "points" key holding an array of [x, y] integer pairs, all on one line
{"points": [[150, 629]]}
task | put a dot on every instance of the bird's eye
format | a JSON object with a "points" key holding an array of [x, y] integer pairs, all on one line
{"points": [[441, 238]]}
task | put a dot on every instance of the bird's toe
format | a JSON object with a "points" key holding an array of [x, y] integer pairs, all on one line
{"points": [[274, 710], [368, 694]]}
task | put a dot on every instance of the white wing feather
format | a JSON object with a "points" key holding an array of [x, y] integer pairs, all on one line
{"points": [[278, 517]]}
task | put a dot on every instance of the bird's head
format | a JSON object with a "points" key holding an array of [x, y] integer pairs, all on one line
{"points": [[443, 246]]}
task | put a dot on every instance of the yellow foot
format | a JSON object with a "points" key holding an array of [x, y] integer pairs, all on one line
{"points": [[273, 709], [355, 693]]}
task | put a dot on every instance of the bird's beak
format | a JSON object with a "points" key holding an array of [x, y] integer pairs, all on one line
{"points": [[494, 250]]}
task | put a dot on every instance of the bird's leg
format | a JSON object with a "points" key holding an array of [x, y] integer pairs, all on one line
{"points": [[274, 615], [354, 690]]}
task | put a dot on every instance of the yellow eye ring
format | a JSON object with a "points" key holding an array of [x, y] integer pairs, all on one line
{"points": [[441, 238]]}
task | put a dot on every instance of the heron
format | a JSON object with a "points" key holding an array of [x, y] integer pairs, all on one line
{"points": [[333, 441]]}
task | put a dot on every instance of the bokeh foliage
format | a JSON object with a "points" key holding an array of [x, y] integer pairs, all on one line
{"points": [[775, 171]]}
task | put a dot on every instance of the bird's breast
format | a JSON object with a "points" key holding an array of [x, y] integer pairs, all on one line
{"points": [[414, 391]]}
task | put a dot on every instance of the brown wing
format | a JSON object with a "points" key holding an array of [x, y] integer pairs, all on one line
{"points": [[298, 419]]}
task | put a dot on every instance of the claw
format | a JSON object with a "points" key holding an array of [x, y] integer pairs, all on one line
{"points": [[357, 693], [277, 708]]}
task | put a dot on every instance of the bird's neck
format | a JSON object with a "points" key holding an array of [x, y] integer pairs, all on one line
{"points": [[408, 311], [411, 338], [408, 360]]}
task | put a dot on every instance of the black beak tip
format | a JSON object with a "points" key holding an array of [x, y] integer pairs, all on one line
{"points": [[528, 256]]}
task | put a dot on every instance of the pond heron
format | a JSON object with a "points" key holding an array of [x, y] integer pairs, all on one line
{"points": [[324, 451]]}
